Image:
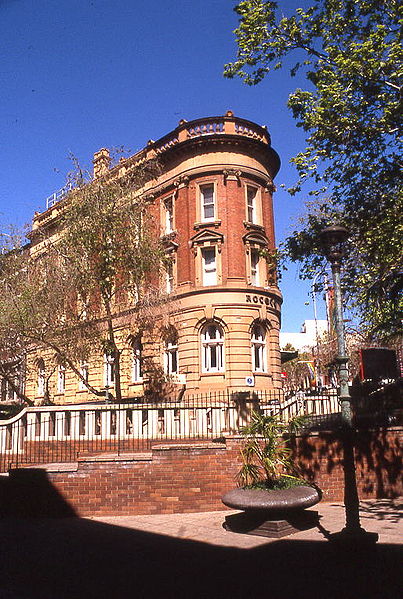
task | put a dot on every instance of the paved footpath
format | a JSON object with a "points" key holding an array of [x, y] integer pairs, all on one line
{"points": [[191, 556], [383, 516]]}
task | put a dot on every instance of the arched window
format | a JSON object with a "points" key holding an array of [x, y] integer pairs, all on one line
{"points": [[258, 340], [136, 360], [212, 344]]}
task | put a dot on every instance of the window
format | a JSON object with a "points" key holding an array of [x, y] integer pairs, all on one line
{"points": [[207, 207], [84, 374], [212, 342], [41, 377], [254, 266], [169, 215], [169, 277], [209, 266], [171, 358], [258, 348], [251, 193], [136, 361], [109, 370], [61, 378]]}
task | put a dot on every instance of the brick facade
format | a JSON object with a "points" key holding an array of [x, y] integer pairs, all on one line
{"points": [[192, 478], [234, 158]]}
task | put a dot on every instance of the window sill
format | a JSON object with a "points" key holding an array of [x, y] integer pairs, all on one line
{"points": [[254, 226], [206, 224], [220, 373]]}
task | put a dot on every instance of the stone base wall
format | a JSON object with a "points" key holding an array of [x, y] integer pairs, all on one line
{"points": [[192, 478]]}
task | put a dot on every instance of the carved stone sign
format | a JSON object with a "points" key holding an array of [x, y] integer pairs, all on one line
{"points": [[260, 299]]}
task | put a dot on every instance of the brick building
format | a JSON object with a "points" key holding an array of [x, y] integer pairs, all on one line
{"points": [[213, 201]]}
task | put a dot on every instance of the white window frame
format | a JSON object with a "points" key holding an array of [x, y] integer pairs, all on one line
{"points": [[61, 378], [254, 267], [258, 345], [109, 371], [171, 361], [84, 371], [137, 375], [251, 204], [41, 379], [169, 277], [204, 206], [212, 348], [209, 269], [169, 214]]}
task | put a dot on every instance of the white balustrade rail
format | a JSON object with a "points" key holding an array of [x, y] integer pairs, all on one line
{"points": [[59, 433]]}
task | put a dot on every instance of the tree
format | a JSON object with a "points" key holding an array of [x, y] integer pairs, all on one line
{"points": [[94, 268], [351, 55]]}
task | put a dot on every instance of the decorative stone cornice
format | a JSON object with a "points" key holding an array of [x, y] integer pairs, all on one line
{"points": [[270, 187], [231, 174]]}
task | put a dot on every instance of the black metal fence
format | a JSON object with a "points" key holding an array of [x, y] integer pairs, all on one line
{"points": [[61, 434]]}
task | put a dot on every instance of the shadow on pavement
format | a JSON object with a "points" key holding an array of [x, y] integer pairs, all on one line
{"points": [[59, 557], [74, 558]]}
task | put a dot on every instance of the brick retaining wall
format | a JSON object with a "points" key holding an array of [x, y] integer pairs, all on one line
{"points": [[193, 478]]}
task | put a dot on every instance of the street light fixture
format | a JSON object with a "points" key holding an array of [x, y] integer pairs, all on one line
{"points": [[333, 239]]}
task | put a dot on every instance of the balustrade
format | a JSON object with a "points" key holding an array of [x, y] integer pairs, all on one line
{"points": [[41, 434]]}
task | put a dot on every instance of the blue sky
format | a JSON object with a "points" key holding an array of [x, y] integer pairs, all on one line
{"points": [[78, 75]]}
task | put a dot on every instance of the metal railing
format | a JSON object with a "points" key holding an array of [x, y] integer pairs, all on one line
{"points": [[60, 434], [58, 195]]}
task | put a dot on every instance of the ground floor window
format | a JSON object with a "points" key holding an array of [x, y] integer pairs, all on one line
{"points": [[171, 358], [212, 344], [258, 340]]}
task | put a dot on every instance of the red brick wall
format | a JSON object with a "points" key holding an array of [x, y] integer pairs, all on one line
{"points": [[193, 478]]}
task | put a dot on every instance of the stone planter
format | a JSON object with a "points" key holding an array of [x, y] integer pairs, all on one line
{"points": [[271, 513]]}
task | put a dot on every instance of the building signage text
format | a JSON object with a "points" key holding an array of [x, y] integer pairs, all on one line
{"points": [[259, 299]]}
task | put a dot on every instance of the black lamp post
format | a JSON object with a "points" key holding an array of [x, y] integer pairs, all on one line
{"points": [[333, 239]]}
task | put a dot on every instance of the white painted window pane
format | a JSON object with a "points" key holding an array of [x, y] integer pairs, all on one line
{"points": [[169, 215], [251, 199], [212, 349], [254, 266], [136, 366], [207, 202], [209, 266]]}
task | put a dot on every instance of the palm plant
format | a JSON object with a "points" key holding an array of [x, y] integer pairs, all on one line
{"points": [[266, 455]]}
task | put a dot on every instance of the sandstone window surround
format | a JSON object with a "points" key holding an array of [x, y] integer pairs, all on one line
{"points": [[207, 249], [256, 266]]}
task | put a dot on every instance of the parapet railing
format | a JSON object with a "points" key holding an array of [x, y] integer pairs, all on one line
{"points": [[49, 434], [208, 126], [58, 195]]}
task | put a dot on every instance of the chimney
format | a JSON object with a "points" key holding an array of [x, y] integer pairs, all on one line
{"points": [[101, 162]]}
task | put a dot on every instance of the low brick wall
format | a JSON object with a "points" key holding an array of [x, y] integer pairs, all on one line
{"points": [[192, 478]]}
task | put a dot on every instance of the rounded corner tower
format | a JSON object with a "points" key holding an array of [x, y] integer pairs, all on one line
{"points": [[214, 199]]}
